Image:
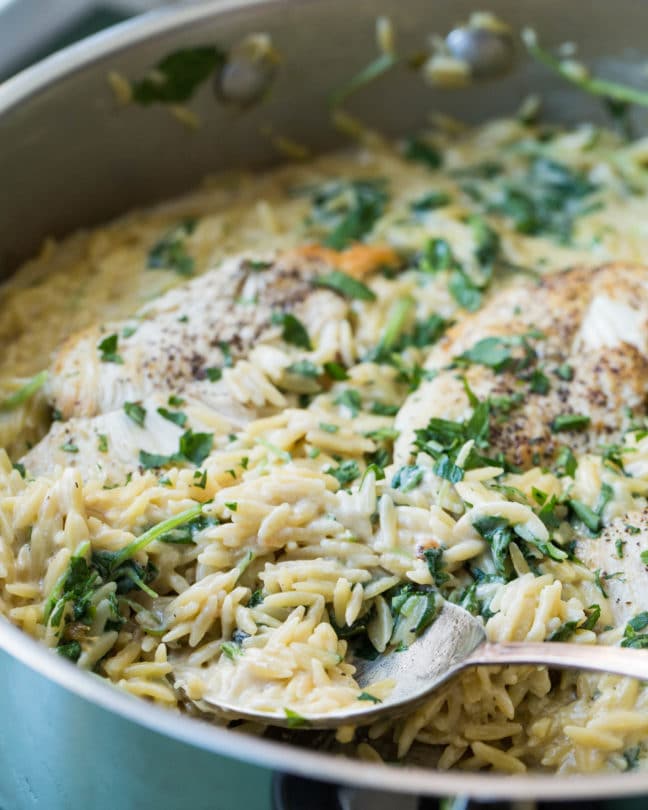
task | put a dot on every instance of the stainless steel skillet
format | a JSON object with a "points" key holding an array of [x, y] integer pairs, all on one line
{"points": [[70, 157]]}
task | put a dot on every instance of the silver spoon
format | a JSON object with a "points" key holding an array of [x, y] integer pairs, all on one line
{"points": [[454, 641]]}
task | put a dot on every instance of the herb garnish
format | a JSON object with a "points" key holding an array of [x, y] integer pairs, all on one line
{"points": [[407, 478], [177, 417], [183, 534], [421, 151], [369, 73], [350, 398], [135, 412], [327, 427], [345, 285], [632, 637], [176, 77], [348, 209], [295, 720], [430, 201], [346, 472], [592, 518], [24, 393], [570, 421], [108, 350], [414, 608], [335, 371], [170, 252], [495, 353], [72, 595], [443, 439], [547, 200], [567, 630], [367, 696], [70, 447], [293, 330], [610, 91], [436, 565], [193, 448]]}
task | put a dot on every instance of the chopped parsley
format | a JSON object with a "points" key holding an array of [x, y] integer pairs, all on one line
{"points": [[184, 534], [304, 368], [176, 77], [498, 533], [437, 256], [102, 443], [24, 393], [443, 439], [487, 241], [632, 637], [348, 210], [135, 412], [407, 478], [567, 630], [214, 373], [193, 448], [231, 650], [367, 696], [539, 382], [496, 353], [566, 463], [71, 598], [200, 479], [170, 252], [350, 398], [177, 417], [421, 151], [71, 650], [345, 285], [70, 447], [382, 409], [335, 371], [592, 518], [464, 290], [295, 720], [369, 73], [547, 200], [436, 565], [345, 472], [570, 421], [430, 201], [327, 427], [108, 350], [565, 372], [632, 756], [414, 608], [293, 330]]}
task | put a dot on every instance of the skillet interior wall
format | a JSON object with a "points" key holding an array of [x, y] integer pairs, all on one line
{"points": [[70, 157]]}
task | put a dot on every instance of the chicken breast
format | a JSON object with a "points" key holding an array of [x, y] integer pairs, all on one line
{"points": [[616, 555], [202, 325], [563, 360], [107, 446]]}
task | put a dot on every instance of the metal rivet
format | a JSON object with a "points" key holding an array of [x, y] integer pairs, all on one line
{"points": [[249, 71], [488, 53]]}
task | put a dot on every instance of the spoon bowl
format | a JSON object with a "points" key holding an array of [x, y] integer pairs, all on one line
{"points": [[453, 642]]}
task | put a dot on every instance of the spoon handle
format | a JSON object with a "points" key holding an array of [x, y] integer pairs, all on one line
{"points": [[558, 655]]}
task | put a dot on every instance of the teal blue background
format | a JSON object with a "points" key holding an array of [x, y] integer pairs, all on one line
{"points": [[58, 752]]}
